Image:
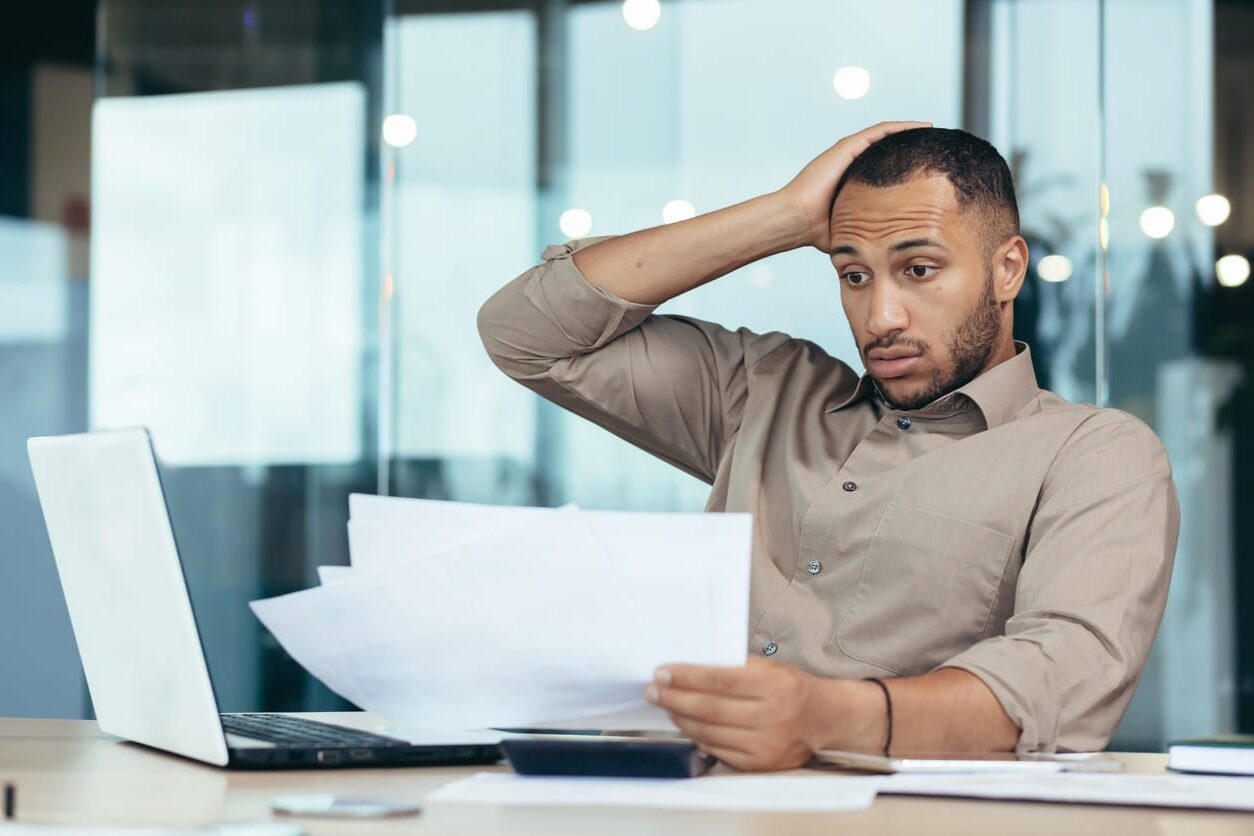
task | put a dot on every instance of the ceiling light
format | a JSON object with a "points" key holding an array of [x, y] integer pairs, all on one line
{"points": [[1232, 270], [678, 210], [575, 223], [1054, 268], [1213, 209], [851, 82], [1157, 222], [642, 14], [399, 130]]}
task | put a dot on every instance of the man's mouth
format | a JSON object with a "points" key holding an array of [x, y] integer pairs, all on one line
{"points": [[894, 361]]}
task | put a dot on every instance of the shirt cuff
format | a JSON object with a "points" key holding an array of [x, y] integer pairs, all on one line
{"points": [[588, 315], [1022, 685]]}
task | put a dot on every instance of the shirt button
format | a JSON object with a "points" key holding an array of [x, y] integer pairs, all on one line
{"points": [[769, 648], [903, 423], [814, 567], [850, 487]]}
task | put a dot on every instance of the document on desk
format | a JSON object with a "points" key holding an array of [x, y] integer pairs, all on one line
{"points": [[795, 793], [539, 620], [258, 828], [1150, 790]]}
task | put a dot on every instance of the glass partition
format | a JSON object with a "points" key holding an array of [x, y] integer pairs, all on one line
{"points": [[234, 294], [45, 234]]}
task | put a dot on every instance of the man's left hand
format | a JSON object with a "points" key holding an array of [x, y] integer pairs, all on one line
{"points": [[757, 717]]}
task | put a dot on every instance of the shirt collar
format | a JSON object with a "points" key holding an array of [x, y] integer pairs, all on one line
{"points": [[999, 394]]}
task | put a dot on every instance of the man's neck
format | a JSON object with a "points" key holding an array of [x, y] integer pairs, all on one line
{"points": [[1005, 351]]}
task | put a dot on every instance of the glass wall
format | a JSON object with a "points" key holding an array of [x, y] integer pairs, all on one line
{"points": [[45, 118], [297, 209], [234, 288]]}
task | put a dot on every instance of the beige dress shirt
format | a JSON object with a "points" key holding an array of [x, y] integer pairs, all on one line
{"points": [[1000, 529]]}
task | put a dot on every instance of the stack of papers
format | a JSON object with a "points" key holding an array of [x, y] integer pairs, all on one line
{"points": [[1141, 790], [463, 616]]}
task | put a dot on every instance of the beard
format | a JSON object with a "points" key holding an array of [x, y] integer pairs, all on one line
{"points": [[970, 345]]}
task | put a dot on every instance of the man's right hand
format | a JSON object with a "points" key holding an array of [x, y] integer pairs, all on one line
{"points": [[811, 191], [653, 265]]}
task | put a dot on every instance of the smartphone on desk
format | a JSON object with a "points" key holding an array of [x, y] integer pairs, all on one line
{"points": [[616, 757]]}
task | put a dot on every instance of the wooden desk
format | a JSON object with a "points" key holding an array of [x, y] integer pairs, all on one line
{"points": [[68, 772]]}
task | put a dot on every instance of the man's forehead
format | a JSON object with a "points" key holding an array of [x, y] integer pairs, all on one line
{"points": [[926, 203]]}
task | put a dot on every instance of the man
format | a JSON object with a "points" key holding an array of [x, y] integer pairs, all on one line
{"points": [[945, 556]]}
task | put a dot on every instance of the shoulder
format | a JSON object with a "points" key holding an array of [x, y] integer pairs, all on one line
{"points": [[1097, 428], [1105, 448]]}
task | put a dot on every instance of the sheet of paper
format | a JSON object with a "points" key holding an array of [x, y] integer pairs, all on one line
{"points": [[14, 829], [1155, 790], [711, 792], [389, 529], [562, 616], [257, 828], [331, 574]]}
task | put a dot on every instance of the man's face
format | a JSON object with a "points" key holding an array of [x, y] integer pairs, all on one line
{"points": [[916, 287]]}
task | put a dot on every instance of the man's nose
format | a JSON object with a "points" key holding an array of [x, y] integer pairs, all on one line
{"points": [[888, 311]]}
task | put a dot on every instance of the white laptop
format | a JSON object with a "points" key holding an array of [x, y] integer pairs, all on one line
{"points": [[136, 631]]}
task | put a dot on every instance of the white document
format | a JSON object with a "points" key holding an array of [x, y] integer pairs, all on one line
{"points": [[1152, 790], [257, 828], [331, 574], [389, 529], [711, 792], [562, 616]]}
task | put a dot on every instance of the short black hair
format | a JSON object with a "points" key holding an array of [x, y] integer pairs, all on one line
{"points": [[977, 171]]}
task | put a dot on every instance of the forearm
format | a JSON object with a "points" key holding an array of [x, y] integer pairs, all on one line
{"points": [[948, 710], [654, 265]]}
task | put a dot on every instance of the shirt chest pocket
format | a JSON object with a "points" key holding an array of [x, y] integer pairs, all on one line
{"points": [[926, 590]]}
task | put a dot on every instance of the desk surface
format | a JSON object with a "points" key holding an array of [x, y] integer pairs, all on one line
{"points": [[68, 772]]}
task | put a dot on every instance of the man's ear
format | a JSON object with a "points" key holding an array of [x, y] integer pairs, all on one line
{"points": [[1010, 268]]}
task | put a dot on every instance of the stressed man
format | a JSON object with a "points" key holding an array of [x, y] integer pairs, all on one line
{"points": [[945, 556]]}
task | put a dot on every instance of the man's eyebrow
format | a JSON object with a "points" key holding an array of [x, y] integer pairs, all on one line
{"points": [[914, 243]]}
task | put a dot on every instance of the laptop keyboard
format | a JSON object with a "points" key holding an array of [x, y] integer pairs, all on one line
{"points": [[284, 730]]}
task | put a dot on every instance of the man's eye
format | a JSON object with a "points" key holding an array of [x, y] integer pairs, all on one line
{"points": [[920, 271], [854, 278]]}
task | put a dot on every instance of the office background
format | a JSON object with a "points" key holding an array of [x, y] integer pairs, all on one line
{"points": [[264, 228]]}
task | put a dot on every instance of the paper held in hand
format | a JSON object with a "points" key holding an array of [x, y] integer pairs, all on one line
{"points": [[464, 616]]}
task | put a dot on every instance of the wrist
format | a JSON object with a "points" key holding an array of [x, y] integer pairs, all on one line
{"points": [[847, 714], [791, 226]]}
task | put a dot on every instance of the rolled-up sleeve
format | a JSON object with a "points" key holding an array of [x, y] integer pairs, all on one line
{"points": [[674, 386], [1091, 591]]}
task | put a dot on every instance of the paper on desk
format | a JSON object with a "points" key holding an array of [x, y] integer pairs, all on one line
{"points": [[258, 828], [1156, 790], [564, 615], [12, 829], [711, 792]]}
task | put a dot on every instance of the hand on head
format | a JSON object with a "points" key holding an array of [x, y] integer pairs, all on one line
{"points": [[813, 187]]}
